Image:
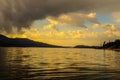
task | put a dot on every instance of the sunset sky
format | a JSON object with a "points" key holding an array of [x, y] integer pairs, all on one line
{"points": [[61, 22]]}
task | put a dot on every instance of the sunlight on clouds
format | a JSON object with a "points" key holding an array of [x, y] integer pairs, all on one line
{"points": [[92, 18], [51, 34], [71, 37], [112, 27], [117, 33], [110, 30], [96, 26], [81, 34], [32, 33], [70, 19], [16, 35], [116, 15], [61, 22], [111, 34], [105, 26], [50, 27]]}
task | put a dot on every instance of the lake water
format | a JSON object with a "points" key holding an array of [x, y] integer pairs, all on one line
{"points": [[59, 64]]}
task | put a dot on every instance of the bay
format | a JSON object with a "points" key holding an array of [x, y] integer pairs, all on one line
{"points": [[59, 64]]}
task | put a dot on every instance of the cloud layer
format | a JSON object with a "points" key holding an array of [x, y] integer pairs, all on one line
{"points": [[71, 19], [72, 37], [21, 13]]}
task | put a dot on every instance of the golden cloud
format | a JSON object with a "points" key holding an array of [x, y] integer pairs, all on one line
{"points": [[116, 16], [71, 19]]}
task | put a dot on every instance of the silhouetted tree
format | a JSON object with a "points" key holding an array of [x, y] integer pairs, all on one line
{"points": [[115, 44]]}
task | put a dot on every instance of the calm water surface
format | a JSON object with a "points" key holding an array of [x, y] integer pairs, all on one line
{"points": [[59, 64]]}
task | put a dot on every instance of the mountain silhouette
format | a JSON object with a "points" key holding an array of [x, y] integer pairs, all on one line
{"points": [[21, 42], [85, 46]]}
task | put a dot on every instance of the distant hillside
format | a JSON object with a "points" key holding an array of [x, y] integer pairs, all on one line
{"points": [[84, 46], [21, 42], [112, 45]]}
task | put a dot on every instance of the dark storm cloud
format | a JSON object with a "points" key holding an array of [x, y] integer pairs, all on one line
{"points": [[21, 13]]}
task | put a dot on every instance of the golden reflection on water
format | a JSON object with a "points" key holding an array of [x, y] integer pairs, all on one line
{"points": [[47, 63], [53, 57], [61, 58]]}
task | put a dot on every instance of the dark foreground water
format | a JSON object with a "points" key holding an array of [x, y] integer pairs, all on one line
{"points": [[58, 64]]}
